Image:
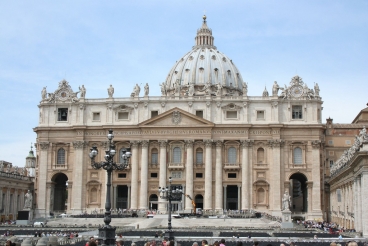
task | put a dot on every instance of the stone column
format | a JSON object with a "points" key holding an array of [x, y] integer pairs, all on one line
{"points": [[43, 148], [79, 177], [162, 180], [246, 175], [310, 195], [144, 176], [129, 199], [359, 206], [70, 192], [354, 200], [239, 197], [189, 174], [208, 175], [275, 178], [134, 177], [218, 179], [225, 196], [364, 198], [316, 176]]}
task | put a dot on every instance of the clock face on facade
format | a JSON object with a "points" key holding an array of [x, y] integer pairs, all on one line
{"points": [[297, 91], [63, 95]]}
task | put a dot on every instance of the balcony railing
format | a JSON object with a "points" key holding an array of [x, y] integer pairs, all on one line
{"points": [[292, 165], [176, 166], [231, 166]]}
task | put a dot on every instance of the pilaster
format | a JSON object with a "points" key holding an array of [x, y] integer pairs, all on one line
{"points": [[189, 174], [218, 179], [134, 173], [162, 178], [316, 176], [144, 176], [43, 148], [208, 175], [246, 177]]}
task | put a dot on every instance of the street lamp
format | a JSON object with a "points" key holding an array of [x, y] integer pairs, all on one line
{"points": [[107, 232], [171, 193]]}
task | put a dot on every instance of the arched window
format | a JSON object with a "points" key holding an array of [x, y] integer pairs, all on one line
{"points": [[177, 155], [93, 195], [199, 156], [61, 156], [298, 156], [231, 155], [260, 155], [154, 156]]}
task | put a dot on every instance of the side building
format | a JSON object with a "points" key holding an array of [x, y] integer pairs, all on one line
{"points": [[14, 185], [347, 152], [227, 149]]}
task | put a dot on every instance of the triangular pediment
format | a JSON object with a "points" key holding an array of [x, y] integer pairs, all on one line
{"points": [[176, 118]]}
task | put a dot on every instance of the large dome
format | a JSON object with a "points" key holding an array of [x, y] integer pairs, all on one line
{"points": [[204, 65]]}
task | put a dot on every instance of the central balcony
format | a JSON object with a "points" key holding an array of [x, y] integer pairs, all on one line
{"points": [[176, 166], [231, 166]]}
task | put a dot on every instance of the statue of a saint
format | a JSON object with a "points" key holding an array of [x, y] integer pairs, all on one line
{"points": [[146, 89], [316, 90], [191, 89], [44, 93], [286, 202], [28, 200], [82, 91], [136, 90], [163, 89], [245, 89], [275, 89], [110, 91]]}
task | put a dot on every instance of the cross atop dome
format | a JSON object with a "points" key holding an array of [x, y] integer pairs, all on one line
{"points": [[204, 35]]}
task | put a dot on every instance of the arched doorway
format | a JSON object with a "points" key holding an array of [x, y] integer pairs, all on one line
{"points": [[153, 200], [198, 201], [60, 192], [299, 192]]}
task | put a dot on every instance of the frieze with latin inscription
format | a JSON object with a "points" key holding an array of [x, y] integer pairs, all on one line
{"points": [[178, 132]]}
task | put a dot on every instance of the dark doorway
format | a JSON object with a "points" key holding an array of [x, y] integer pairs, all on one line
{"points": [[122, 197], [199, 201], [299, 192], [153, 199], [60, 192], [232, 197]]}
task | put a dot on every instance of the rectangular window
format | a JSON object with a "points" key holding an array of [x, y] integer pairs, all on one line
{"points": [[331, 163], [297, 112], [154, 114], [330, 142], [199, 113], [261, 115], [331, 153], [338, 194], [153, 175], [154, 158], [123, 115], [62, 114], [122, 175], [199, 175], [96, 116], [231, 114], [231, 175], [347, 142]]}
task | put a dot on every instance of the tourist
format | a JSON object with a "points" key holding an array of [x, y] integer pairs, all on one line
{"points": [[204, 243], [222, 242]]}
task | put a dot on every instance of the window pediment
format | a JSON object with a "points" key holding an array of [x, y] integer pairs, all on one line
{"points": [[123, 108]]}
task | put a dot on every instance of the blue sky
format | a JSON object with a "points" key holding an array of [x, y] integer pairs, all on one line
{"points": [[98, 43]]}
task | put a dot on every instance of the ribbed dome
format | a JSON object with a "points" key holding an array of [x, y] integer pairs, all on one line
{"points": [[203, 64]]}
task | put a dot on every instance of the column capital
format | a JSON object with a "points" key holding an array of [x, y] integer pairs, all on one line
{"points": [[189, 143], [208, 142], [162, 143], [44, 145], [316, 144], [80, 144], [145, 143], [219, 143], [134, 143], [247, 142], [275, 143]]}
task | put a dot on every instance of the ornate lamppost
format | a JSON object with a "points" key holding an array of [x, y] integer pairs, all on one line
{"points": [[171, 193], [107, 232]]}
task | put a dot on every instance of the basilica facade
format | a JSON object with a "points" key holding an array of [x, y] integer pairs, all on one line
{"points": [[227, 149]]}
